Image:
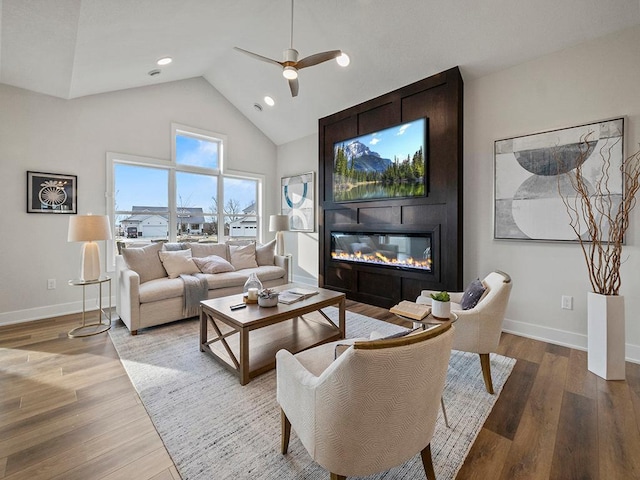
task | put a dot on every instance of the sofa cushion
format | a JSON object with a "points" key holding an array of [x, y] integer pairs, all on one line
{"points": [[240, 243], [178, 262], [266, 253], [201, 250], [172, 247], [145, 262], [226, 279], [161, 289], [243, 257], [213, 264], [238, 278], [265, 273]]}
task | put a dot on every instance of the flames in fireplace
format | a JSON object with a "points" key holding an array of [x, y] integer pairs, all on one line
{"points": [[398, 250], [378, 258]]}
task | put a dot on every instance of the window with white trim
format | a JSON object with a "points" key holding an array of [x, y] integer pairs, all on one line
{"points": [[190, 198]]}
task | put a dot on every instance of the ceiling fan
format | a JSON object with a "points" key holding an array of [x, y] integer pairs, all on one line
{"points": [[290, 65]]}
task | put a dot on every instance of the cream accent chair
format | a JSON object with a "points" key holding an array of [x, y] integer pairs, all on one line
{"points": [[478, 329], [372, 408]]}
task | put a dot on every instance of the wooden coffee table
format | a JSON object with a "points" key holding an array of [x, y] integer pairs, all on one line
{"points": [[293, 327]]}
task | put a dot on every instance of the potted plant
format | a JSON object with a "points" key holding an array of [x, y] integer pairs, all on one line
{"points": [[267, 298], [440, 305], [600, 220]]}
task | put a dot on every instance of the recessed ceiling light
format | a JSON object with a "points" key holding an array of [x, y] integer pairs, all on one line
{"points": [[269, 101], [343, 60], [258, 107], [165, 61], [155, 72]]}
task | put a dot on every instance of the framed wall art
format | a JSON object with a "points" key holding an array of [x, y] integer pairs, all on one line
{"points": [[532, 170], [51, 193], [298, 201]]}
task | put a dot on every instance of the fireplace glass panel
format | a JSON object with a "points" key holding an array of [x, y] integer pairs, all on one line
{"points": [[398, 250]]}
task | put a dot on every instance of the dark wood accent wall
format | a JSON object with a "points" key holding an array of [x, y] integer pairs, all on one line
{"points": [[439, 99]]}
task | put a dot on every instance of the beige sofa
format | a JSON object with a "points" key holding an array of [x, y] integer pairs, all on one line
{"points": [[150, 291]]}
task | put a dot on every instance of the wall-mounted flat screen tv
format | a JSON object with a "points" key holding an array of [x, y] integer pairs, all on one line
{"points": [[389, 163]]}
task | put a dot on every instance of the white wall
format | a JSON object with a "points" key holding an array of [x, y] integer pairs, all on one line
{"points": [[592, 81], [301, 156], [48, 134]]}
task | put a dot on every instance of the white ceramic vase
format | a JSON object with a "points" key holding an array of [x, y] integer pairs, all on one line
{"points": [[440, 309], [606, 336]]}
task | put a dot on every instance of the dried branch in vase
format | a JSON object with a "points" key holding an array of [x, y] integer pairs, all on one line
{"points": [[599, 217]]}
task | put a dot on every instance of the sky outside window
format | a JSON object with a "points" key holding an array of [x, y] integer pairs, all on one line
{"points": [[197, 152], [195, 190], [140, 186]]}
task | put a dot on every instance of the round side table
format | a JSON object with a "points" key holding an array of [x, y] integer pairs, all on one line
{"points": [[87, 329]]}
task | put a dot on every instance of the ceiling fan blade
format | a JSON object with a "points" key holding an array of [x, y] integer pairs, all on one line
{"points": [[293, 85], [259, 57], [317, 58]]}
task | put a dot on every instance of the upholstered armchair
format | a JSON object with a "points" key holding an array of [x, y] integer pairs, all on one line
{"points": [[371, 408], [478, 329]]}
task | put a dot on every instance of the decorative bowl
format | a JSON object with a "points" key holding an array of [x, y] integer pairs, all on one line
{"points": [[270, 301]]}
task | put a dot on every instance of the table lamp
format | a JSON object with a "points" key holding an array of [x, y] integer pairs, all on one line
{"points": [[89, 229], [279, 224]]}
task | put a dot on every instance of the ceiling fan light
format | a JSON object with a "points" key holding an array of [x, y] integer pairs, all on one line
{"points": [[343, 60], [290, 73]]}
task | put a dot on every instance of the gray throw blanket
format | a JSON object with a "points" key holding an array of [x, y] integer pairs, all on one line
{"points": [[196, 289]]}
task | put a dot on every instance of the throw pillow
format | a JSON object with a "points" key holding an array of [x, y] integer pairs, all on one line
{"points": [[145, 261], [472, 294], [202, 250], [178, 262], [243, 257], [213, 264], [265, 253]]}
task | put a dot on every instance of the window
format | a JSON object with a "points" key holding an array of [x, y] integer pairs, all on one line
{"points": [[240, 208], [177, 200]]}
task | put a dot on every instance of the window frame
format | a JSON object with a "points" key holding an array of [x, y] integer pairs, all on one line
{"points": [[172, 167]]}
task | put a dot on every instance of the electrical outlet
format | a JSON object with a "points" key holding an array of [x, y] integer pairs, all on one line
{"points": [[567, 302], [51, 284]]}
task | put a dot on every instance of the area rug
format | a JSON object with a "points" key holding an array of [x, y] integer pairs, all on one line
{"points": [[214, 428]]}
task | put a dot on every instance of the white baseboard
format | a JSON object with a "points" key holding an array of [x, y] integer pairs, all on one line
{"points": [[561, 337], [39, 313]]}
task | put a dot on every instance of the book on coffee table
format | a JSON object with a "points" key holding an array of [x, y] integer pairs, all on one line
{"points": [[294, 295], [415, 311]]}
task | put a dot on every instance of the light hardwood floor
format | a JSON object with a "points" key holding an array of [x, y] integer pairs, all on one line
{"points": [[69, 411]]}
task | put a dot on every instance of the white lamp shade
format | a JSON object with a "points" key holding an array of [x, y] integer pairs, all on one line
{"points": [[278, 223], [86, 228]]}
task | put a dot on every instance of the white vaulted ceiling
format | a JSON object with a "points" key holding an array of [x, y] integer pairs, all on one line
{"points": [[72, 48]]}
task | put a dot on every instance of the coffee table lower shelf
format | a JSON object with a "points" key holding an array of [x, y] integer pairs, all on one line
{"points": [[295, 335]]}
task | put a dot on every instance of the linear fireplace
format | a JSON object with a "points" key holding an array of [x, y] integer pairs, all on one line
{"points": [[410, 251]]}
